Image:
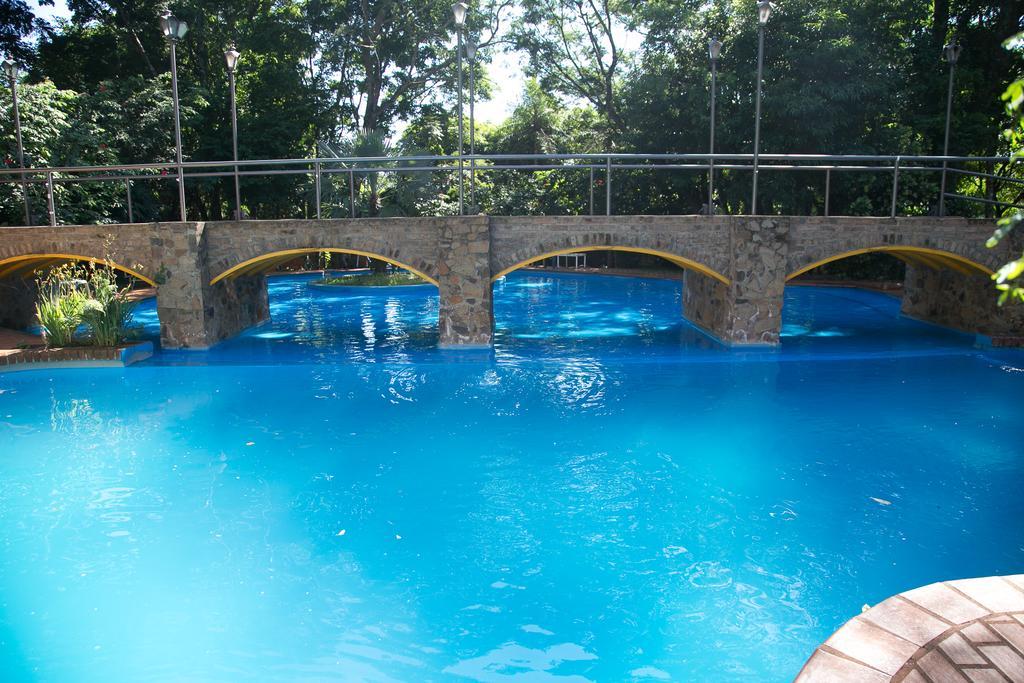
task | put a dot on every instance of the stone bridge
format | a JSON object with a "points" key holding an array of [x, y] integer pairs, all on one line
{"points": [[210, 283]]}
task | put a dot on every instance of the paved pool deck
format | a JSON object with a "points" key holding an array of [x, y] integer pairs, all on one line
{"points": [[966, 631], [23, 351], [13, 341]]}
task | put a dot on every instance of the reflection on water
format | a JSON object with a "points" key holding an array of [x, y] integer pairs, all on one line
{"points": [[554, 316], [330, 497]]}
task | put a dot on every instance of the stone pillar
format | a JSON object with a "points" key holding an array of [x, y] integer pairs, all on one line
{"points": [[193, 313], [706, 302], [964, 302], [466, 317], [17, 302], [748, 310]]}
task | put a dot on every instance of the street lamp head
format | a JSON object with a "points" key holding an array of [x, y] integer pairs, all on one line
{"points": [[459, 9], [764, 10], [952, 52], [11, 69], [714, 49], [471, 50], [231, 56], [174, 29]]}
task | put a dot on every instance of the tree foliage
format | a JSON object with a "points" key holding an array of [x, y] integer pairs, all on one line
{"points": [[604, 75], [1006, 277]]}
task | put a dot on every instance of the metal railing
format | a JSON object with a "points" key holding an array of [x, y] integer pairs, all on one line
{"points": [[601, 169]]}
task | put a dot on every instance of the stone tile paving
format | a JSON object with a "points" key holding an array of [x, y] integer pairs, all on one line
{"points": [[967, 631]]}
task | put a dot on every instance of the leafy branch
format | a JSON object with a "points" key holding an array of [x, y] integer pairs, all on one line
{"points": [[1008, 274]]}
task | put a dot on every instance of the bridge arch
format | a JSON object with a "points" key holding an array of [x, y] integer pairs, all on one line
{"points": [[681, 261], [929, 257], [24, 265], [267, 262], [697, 244]]}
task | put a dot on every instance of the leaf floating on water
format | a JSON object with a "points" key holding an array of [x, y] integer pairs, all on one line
{"points": [[881, 501]]}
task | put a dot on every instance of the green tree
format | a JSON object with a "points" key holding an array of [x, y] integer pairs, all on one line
{"points": [[573, 49], [17, 22], [539, 124], [1007, 276], [53, 134], [387, 57]]}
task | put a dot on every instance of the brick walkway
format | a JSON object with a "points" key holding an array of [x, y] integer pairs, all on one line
{"points": [[20, 351], [11, 341], [968, 631]]}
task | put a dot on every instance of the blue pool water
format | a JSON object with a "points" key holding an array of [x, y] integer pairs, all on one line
{"points": [[607, 496]]}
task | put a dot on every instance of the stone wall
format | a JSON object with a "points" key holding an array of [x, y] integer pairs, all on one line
{"points": [[179, 299], [748, 310], [195, 314], [131, 246], [409, 241], [700, 239], [963, 302], [706, 303], [17, 302], [738, 264], [814, 238], [466, 316], [759, 247]]}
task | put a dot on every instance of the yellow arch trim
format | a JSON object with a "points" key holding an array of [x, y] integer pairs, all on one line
{"points": [[16, 263], [678, 260], [933, 258], [266, 262]]}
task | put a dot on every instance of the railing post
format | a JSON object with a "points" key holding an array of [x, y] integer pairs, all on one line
{"points": [[352, 192], [608, 186], [49, 198], [591, 189], [317, 183], [711, 184], [828, 187], [895, 186], [942, 189], [128, 196], [990, 191]]}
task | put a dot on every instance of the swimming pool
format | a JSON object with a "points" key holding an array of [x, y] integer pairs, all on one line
{"points": [[608, 495]]}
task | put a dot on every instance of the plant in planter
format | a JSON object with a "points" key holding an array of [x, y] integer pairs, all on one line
{"points": [[389, 279], [73, 296], [107, 310], [325, 259], [60, 304]]}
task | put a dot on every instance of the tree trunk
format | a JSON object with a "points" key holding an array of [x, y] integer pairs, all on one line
{"points": [[940, 23]]}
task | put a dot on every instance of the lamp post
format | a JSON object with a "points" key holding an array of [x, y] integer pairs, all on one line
{"points": [[952, 54], [231, 56], [764, 11], [714, 50], [471, 54], [459, 9], [12, 75], [174, 30]]}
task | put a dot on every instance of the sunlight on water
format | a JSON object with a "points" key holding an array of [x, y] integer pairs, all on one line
{"points": [[608, 495]]}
